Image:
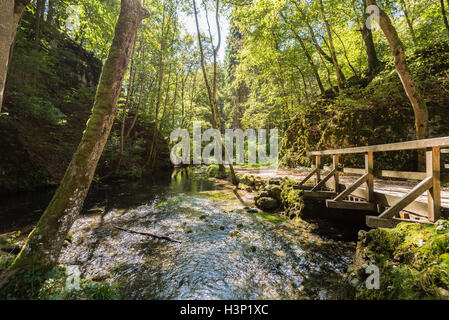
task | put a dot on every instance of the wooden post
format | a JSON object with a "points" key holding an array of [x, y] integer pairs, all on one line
{"points": [[318, 169], [369, 169], [336, 177], [434, 193]]}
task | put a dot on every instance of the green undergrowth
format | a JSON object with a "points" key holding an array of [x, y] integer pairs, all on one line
{"points": [[413, 260], [53, 285]]}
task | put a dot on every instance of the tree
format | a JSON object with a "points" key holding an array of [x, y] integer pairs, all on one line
{"points": [[370, 49], [212, 93], [443, 13], [10, 14], [400, 63], [41, 251]]}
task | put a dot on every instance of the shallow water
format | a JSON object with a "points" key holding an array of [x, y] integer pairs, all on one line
{"points": [[268, 260]]}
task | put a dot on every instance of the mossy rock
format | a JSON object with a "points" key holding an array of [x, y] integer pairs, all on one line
{"points": [[413, 260]]}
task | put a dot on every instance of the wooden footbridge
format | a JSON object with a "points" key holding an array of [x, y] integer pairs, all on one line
{"points": [[387, 210]]}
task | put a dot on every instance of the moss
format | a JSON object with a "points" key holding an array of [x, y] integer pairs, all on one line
{"points": [[291, 199], [413, 260], [270, 217], [214, 171]]}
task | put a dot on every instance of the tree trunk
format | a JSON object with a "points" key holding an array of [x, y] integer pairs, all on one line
{"points": [[44, 244], [346, 55], [38, 15], [306, 52], [10, 14], [400, 62], [125, 110], [339, 73], [409, 22], [212, 95], [443, 13]]}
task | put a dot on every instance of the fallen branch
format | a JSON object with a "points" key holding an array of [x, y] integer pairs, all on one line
{"points": [[148, 234]]}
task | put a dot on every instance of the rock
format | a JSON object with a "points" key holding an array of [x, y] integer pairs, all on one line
{"points": [[261, 194], [247, 180], [235, 233], [203, 217], [275, 181], [441, 225], [275, 192], [267, 203], [280, 254], [245, 188]]}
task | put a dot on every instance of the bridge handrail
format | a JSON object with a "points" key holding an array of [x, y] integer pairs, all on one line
{"points": [[441, 142]]}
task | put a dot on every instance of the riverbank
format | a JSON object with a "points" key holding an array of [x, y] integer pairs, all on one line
{"points": [[228, 250]]}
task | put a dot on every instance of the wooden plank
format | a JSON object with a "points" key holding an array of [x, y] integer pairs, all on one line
{"points": [[351, 205], [318, 169], [376, 222], [369, 168], [353, 171], [444, 150], [307, 178], [389, 173], [351, 188], [408, 145], [408, 198], [388, 200], [401, 174], [322, 183], [336, 176], [319, 195], [434, 194]]}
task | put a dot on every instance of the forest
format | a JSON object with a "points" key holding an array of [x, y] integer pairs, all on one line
{"points": [[93, 207]]}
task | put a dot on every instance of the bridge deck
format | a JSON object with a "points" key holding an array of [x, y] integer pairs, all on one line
{"points": [[392, 187]]}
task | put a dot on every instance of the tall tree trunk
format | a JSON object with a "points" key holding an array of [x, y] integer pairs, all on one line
{"points": [[443, 13], [212, 95], [367, 37], [125, 110], [44, 244], [38, 15], [400, 62], [10, 14], [339, 73]]}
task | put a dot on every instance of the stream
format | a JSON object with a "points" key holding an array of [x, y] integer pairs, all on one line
{"points": [[224, 253]]}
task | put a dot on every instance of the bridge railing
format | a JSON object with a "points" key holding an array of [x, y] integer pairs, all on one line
{"points": [[430, 180]]}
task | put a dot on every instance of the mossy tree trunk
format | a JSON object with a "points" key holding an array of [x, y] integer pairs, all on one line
{"points": [[10, 14], [413, 93], [44, 244]]}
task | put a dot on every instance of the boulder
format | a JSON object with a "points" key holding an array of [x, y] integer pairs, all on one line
{"points": [[275, 192], [275, 181], [267, 203]]}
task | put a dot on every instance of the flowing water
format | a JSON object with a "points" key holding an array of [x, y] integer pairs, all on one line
{"points": [[222, 254]]}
